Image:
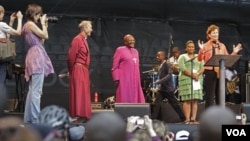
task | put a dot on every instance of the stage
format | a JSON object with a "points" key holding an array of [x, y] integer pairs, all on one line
{"points": [[173, 123], [126, 109]]}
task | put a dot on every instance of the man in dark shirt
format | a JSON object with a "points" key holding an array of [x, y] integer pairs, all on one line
{"points": [[166, 89]]}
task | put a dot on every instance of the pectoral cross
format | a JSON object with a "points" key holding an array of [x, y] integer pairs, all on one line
{"points": [[134, 60]]}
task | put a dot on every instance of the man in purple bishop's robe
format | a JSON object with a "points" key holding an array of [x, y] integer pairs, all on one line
{"points": [[126, 73]]}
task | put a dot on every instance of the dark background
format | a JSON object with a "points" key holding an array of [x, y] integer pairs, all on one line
{"points": [[152, 22]]}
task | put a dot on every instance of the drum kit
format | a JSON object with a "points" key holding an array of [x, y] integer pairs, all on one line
{"points": [[150, 86]]}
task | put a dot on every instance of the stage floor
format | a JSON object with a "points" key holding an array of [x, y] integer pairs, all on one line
{"points": [[167, 112]]}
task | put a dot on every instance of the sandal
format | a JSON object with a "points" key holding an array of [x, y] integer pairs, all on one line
{"points": [[194, 122], [187, 122]]}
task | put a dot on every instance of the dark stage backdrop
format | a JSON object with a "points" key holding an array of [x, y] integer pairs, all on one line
{"points": [[151, 36]]}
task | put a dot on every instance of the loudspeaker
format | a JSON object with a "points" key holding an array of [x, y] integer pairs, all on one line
{"points": [[169, 115], [132, 109], [236, 108], [246, 110], [245, 87]]}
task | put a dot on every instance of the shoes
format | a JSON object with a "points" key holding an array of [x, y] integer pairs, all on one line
{"points": [[194, 122], [191, 122], [80, 120]]}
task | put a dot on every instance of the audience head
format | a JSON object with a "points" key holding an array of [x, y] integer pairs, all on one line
{"points": [[211, 122], [160, 128], [54, 116], [76, 133], [162, 131], [140, 135], [106, 126], [58, 119], [11, 129]]}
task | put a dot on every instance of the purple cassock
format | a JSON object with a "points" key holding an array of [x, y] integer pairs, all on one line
{"points": [[126, 70]]}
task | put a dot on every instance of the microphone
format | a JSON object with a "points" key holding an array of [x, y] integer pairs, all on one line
{"points": [[63, 75], [52, 19], [171, 39], [217, 44]]}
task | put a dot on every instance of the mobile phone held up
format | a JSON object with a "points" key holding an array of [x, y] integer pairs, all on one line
{"points": [[140, 121]]}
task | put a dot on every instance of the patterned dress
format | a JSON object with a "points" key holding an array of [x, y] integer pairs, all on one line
{"points": [[37, 65], [185, 89], [37, 59]]}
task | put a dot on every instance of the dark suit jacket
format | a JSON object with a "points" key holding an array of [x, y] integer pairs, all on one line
{"points": [[165, 78]]}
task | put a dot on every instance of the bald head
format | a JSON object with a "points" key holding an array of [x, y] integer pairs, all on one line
{"points": [[129, 40]]}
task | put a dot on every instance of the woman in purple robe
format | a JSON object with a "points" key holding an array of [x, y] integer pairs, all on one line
{"points": [[126, 73]]}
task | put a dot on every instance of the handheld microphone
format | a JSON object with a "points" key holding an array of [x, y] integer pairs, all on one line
{"points": [[171, 39], [217, 44], [52, 19]]}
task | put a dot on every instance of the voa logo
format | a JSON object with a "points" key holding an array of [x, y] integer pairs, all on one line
{"points": [[236, 132]]}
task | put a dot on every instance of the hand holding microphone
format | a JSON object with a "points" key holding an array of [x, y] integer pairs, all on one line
{"points": [[216, 44], [44, 20]]}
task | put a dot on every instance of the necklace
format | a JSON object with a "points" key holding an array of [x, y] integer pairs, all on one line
{"points": [[133, 57]]}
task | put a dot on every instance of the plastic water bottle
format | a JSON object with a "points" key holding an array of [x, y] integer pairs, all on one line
{"points": [[96, 97]]}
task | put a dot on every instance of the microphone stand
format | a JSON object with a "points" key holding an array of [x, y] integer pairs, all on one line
{"points": [[192, 64], [149, 71], [170, 45]]}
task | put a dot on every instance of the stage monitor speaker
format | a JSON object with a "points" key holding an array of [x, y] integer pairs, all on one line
{"points": [[169, 115], [132, 109], [246, 110], [245, 87]]}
